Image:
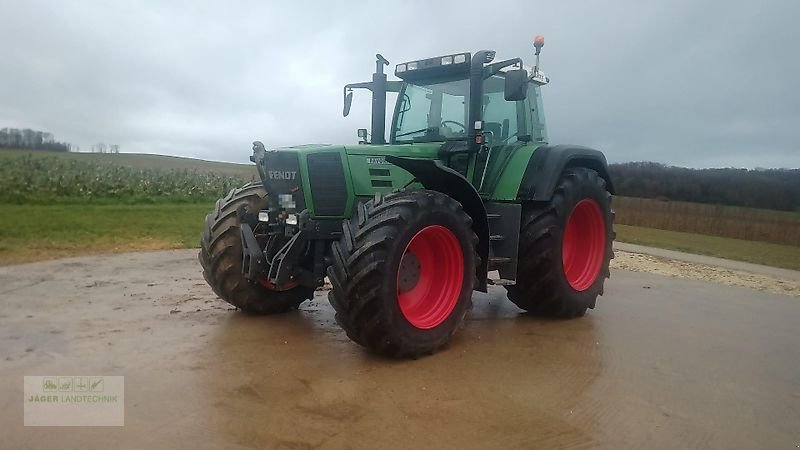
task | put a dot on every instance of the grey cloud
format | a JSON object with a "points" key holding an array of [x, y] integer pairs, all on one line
{"points": [[697, 83]]}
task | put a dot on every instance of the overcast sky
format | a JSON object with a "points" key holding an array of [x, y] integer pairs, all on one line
{"points": [[687, 82]]}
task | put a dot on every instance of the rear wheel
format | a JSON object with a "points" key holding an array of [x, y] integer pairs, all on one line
{"points": [[221, 257], [403, 272], [565, 247]]}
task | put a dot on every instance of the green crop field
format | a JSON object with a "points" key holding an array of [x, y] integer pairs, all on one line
{"points": [[48, 178], [139, 161]]}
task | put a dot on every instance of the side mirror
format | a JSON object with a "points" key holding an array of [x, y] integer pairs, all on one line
{"points": [[348, 100], [516, 88]]}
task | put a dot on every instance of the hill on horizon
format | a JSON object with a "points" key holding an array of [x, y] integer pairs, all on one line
{"points": [[143, 161]]}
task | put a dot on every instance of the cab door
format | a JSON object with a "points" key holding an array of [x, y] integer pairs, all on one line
{"points": [[506, 127]]}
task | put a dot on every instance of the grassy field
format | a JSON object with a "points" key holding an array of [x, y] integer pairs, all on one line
{"points": [[39, 232], [777, 255], [778, 227]]}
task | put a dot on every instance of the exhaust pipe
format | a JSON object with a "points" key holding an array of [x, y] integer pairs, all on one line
{"points": [[378, 87], [379, 101]]}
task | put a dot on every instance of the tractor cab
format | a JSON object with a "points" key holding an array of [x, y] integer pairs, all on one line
{"points": [[478, 110], [437, 110], [434, 107]]}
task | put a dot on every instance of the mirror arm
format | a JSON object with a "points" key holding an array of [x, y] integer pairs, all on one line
{"points": [[493, 69], [362, 85]]}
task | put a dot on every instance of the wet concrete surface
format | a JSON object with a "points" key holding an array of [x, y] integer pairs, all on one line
{"points": [[661, 363]]}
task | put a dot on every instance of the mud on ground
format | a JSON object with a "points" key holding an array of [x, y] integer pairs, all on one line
{"points": [[662, 362], [638, 262]]}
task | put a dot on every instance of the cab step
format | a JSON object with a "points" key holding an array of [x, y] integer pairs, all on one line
{"points": [[498, 260], [502, 282], [504, 220]]}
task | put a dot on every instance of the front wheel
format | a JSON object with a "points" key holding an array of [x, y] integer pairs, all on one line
{"points": [[565, 247], [221, 257], [403, 272]]}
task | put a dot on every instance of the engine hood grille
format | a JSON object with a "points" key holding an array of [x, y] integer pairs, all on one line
{"points": [[280, 173], [328, 186]]}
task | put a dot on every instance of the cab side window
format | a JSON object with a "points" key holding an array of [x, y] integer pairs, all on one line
{"points": [[538, 126], [501, 117]]}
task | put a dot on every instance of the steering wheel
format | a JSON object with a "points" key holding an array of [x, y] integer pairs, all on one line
{"points": [[455, 123]]}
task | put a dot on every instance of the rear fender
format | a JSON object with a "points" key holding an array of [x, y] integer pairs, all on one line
{"points": [[549, 161]]}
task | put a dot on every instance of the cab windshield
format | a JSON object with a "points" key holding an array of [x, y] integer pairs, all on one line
{"points": [[438, 111], [429, 112]]}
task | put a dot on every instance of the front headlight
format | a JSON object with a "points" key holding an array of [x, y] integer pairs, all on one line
{"points": [[291, 219]]}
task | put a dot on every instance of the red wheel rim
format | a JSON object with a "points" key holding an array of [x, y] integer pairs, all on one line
{"points": [[430, 277], [275, 287], [584, 245]]}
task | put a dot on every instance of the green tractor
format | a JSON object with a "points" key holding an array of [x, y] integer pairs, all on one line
{"points": [[466, 186]]}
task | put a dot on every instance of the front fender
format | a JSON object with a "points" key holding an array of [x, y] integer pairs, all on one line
{"points": [[437, 177]]}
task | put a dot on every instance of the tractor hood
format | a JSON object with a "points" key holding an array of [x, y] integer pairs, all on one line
{"points": [[328, 179]]}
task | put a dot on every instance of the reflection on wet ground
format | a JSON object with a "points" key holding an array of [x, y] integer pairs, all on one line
{"points": [[661, 363]]}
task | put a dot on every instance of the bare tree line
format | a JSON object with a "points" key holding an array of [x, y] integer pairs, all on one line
{"points": [[42, 140], [101, 147], [31, 139], [760, 188]]}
